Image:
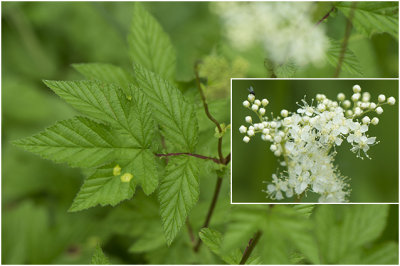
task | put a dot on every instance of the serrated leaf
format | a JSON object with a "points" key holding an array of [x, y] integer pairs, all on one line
{"points": [[98, 257], [80, 142], [175, 115], [149, 45], [107, 102], [107, 73], [373, 17], [360, 224], [213, 240], [304, 209], [103, 188], [350, 63], [179, 192]]}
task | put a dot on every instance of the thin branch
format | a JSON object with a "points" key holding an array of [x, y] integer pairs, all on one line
{"points": [[203, 99], [190, 231], [326, 16], [210, 210], [345, 40], [188, 154], [249, 249], [228, 158]]}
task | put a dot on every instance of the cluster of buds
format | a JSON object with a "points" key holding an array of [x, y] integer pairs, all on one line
{"points": [[305, 140]]}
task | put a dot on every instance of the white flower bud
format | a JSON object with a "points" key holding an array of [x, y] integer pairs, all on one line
{"points": [[251, 97], [320, 97], [260, 125], [321, 107], [277, 153], [364, 105], [391, 100], [263, 137], [262, 111], [273, 147], [381, 98], [268, 137], [246, 139], [372, 105], [281, 133], [355, 97], [257, 102], [250, 132], [346, 104], [256, 127], [249, 119], [356, 88], [341, 96], [278, 139], [251, 128], [265, 131], [366, 120], [246, 103], [349, 113], [357, 111], [366, 96], [379, 110], [274, 124], [375, 121], [254, 107], [284, 113], [242, 129], [264, 102]]}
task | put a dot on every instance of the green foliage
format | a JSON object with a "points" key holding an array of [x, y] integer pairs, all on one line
{"points": [[350, 63], [98, 257], [149, 45], [373, 17]]}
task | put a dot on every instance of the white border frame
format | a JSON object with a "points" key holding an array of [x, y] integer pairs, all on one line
{"points": [[286, 203]]}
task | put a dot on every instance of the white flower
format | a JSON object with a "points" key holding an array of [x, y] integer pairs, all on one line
{"points": [[250, 132], [372, 105], [355, 96], [366, 120], [379, 110], [248, 119], [363, 145], [346, 104], [246, 103], [257, 102], [341, 96], [261, 111], [366, 96], [265, 131], [391, 100], [264, 102], [254, 107], [381, 98], [242, 129], [375, 121], [251, 97], [246, 139], [284, 113], [356, 88]]}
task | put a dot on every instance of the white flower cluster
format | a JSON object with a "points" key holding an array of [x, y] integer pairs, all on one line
{"points": [[284, 29], [306, 141]]}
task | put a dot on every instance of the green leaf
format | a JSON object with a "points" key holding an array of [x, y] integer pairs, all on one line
{"points": [[99, 257], [350, 63], [213, 240], [107, 102], [304, 209], [339, 239], [149, 45], [150, 239], [80, 142], [175, 115], [373, 17], [387, 253], [104, 188], [107, 73], [179, 192]]}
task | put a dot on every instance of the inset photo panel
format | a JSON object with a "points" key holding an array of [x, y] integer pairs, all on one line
{"points": [[319, 140]]}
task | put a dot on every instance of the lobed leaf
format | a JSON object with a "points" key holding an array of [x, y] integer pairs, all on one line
{"points": [[174, 114], [149, 45], [179, 192], [373, 17]]}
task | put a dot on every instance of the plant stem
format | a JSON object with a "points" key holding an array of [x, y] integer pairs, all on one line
{"points": [[205, 105], [190, 231], [249, 249], [188, 154], [326, 16], [210, 210], [345, 40]]}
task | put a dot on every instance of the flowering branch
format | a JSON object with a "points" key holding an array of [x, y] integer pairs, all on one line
{"points": [[249, 249], [188, 154], [345, 40]]}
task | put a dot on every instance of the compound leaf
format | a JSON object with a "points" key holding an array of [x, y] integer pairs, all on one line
{"points": [[373, 17], [174, 114], [149, 45], [179, 192]]}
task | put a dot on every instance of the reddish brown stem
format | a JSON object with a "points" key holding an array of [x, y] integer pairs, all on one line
{"points": [[188, 154]]}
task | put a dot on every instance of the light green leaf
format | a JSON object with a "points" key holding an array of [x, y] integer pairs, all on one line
{"points": [[350, 63], [107, 73], [104, 188], [213, 240], [98, 257], [175, 115], [80, 142], [150, 239], [179, 192], [304, 209], [107, 102], [387, 253], [373, 17], [149, 45]]}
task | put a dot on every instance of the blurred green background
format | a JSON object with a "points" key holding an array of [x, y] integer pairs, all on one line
{"points": [[40, 41], [373, 180]]}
